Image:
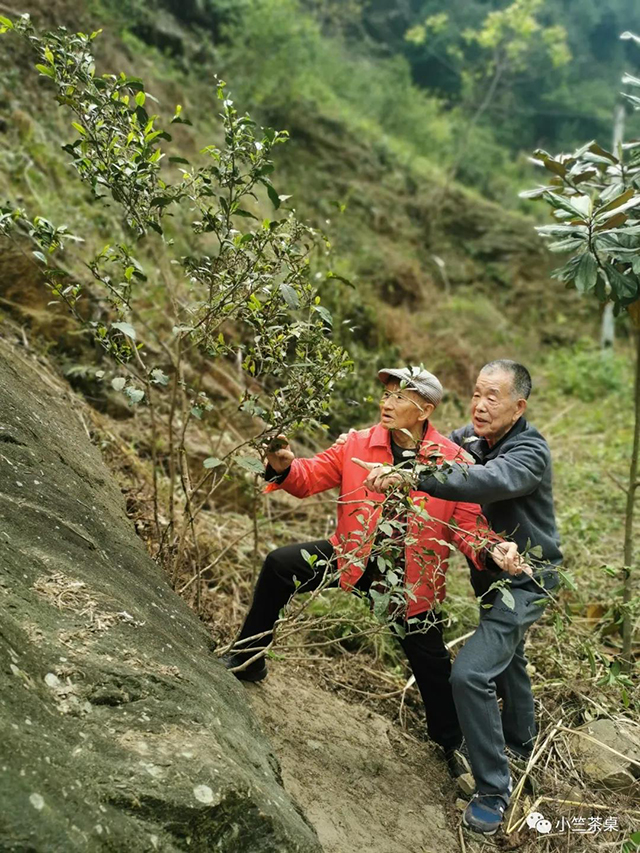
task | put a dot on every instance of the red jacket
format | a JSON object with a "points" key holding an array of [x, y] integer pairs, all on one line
{"points": [[426, 540]]}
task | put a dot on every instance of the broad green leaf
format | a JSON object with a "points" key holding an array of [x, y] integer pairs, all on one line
{"points": [[250, 463], [582, 150], [583, 204], [584, 176], [126, 329], [618, 218], [586, 273], [631, 201], [289, 295], [507, 597], [569, 245], [140, 98], [79, 128], [611, 192], [554, 166], [561, 230], [625, 287], [602, 152], [579, 206], [307, 557], [118, 383], [538, 192], [324, 313], [630, 231], [159, 377], [212, 462], [135, 395], [273, 195]]}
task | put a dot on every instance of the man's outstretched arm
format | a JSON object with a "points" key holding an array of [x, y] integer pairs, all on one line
{"points": [[517, 472], [304, 477]]}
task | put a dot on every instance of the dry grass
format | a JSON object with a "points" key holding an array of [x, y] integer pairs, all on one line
{"points": [[65, 593]]}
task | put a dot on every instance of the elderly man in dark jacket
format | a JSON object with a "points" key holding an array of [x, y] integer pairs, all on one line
{"points": [[511, 480]]}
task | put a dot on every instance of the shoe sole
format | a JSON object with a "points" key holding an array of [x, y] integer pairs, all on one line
{"points": [[250, 676], [479, 831]]}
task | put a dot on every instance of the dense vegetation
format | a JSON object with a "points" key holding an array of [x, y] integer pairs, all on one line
{"points": [[472, 87]]}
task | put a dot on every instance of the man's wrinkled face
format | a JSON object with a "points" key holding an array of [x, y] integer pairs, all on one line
{"points": [[495, 406], [401, 408]]}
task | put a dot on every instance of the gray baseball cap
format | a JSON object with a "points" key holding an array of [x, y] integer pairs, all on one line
{"points": [[417, 379]]}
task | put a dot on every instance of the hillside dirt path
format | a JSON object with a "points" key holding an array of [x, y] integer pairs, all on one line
{"points": [[364, 785]]}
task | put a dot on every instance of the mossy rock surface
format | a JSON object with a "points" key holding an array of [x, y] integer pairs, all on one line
{"points": [[120, 730]]}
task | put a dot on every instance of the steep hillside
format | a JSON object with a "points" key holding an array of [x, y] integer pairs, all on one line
{"points": [[433, 263]]}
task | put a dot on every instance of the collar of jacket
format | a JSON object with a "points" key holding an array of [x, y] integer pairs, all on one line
{"points": [[381, 437], [483, 451]]}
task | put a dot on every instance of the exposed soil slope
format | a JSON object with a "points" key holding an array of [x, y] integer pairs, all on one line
{"points": [[363, 783]]}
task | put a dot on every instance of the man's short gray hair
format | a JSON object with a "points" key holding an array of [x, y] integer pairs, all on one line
{"points": [[521, 377]]}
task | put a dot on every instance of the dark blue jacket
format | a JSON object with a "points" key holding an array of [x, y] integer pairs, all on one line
{"points": [[512, 481]]}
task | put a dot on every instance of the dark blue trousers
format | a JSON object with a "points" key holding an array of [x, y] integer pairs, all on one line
{"points": [[492, 664]]}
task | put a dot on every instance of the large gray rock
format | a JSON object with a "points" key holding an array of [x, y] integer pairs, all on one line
{"points": [[118, 729], [602, 767]]}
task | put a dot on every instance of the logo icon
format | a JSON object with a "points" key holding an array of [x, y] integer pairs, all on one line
{"points": [[537, 821]]}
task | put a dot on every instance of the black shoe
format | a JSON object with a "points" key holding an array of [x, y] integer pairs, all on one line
{"points": [[457, 763], [256, 671], [517, 758], [518, 762]]}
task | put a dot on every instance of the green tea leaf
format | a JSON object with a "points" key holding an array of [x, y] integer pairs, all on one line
{"points": [[126, 329], [289, 295], [250, 463], [212, 462]]}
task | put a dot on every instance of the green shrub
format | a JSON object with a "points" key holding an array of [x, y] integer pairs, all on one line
{"points": [[587, 373]]}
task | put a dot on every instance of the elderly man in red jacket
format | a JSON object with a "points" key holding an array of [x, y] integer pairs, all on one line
{"points": [[404, 436]]}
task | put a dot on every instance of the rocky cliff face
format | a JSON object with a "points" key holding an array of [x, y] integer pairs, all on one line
{"points": [[120, 731]]}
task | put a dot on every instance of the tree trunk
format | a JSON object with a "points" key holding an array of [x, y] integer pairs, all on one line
{"points": [[628, 530], [607, 329]]}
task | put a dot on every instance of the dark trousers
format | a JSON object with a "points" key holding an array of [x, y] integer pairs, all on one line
{"points": [[423, 643], [492, 664]]}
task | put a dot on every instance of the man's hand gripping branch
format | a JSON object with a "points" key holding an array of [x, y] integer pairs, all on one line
{"points": [[279, 454]]}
